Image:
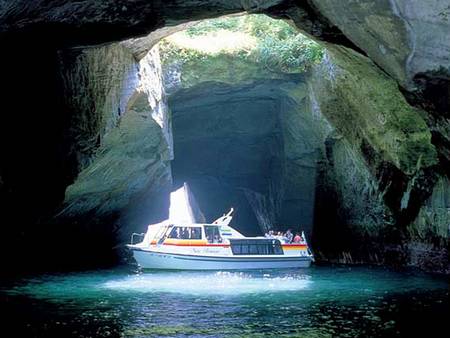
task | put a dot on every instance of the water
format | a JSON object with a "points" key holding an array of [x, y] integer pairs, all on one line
{"points": [[315, 302]]}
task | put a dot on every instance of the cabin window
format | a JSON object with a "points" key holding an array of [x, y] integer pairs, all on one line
{"points": [[256, 247], [186, 233], [213, 234]]}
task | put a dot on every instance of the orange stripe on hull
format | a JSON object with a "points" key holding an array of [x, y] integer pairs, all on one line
{"points": [[293, 246]]}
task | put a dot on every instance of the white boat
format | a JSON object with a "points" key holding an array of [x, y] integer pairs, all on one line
{"points": [[215, 246]]}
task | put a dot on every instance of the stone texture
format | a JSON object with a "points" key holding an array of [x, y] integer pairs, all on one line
{"points": [[98, 83], [393, 136], [430, 231], [128, 178], [129, 171], [112, 20], [376, 187], [139, 47], [405, 38], [304, 130]]}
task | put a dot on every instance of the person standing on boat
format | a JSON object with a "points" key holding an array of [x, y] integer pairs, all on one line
{"points": [[289, 235]]}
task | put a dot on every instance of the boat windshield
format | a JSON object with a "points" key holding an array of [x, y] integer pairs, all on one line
{"points": [[162, 234], [213, 234], [179, 232]]}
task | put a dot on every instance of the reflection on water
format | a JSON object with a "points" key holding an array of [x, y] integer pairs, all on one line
{"points": [[212, 283], [316, 302]]}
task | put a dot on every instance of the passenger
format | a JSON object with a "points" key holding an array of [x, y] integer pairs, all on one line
{"points": [[217, 239], [289, 236], [297, 238], [197, 234], [185, 233]]}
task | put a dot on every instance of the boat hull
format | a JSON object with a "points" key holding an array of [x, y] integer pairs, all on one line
{"points": [[168, 261]]}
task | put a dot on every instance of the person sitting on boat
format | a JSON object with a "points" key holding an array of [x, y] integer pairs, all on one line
{"points": [[217, 239], [298, 238], [184, 233], [280, 236], [176, 233], [269, 234], [196, 233]]}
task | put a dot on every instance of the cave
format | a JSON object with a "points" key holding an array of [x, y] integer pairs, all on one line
{"points": [[94, 135], [327, 117]]}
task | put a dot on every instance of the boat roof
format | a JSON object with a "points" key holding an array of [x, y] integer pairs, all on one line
{"points": [[222, 222]]}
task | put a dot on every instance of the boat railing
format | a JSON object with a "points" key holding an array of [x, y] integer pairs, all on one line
{"points": [[304, 238], [310, 253], [140, 237]]}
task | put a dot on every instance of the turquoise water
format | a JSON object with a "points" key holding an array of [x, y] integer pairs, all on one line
{"points": [[315, 302]]}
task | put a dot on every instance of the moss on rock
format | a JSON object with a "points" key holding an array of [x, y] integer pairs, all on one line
{"points": [[364, 103]]}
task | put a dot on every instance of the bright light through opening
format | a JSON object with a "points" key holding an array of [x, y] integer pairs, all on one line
{"points": [[180, 210]]}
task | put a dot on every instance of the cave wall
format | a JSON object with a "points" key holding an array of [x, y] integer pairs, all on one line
{"points": [[126, 183], [98, 83], [304, 130], [404, 37], [379, 170], [112, 20]]}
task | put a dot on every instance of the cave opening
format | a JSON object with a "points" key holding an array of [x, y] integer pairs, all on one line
{"points": [[236, 90]]}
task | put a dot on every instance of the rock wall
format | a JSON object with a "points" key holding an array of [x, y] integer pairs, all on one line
{"points": [[112, 20], [98, 83], [304, 130], [380, 168], [128, 178], [115, 148], [429, 233], [404, 37]]}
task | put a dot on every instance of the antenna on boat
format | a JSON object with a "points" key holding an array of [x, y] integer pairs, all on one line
{"points": [[225, 219]]}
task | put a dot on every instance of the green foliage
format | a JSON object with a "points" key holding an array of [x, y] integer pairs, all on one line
{"points": [[280, 47], [293, 54], [171, 53], [207, 26]]}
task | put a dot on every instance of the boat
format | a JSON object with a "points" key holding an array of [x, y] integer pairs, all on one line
{"points": [[216, 246]]}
